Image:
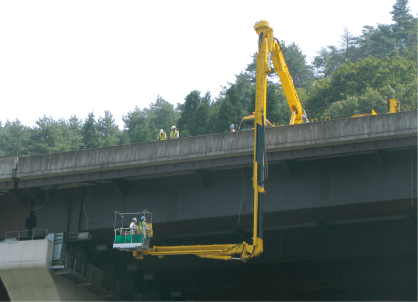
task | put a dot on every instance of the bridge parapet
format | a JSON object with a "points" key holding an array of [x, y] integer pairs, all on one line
{"points": [[334, 132], [7, 166]]}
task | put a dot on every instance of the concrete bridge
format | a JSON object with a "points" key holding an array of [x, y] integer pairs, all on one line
{"points": [[340, 208]]}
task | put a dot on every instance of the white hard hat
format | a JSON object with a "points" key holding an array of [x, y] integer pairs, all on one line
{"points": [[161, 131], [173, 127]]}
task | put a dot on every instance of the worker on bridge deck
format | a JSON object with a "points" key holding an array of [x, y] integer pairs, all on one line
{"points": [[304, 119], [162, 136], [174, 133]]}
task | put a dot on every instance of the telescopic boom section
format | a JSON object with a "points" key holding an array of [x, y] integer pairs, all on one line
{"points": [[281, 69], [241, 251]]}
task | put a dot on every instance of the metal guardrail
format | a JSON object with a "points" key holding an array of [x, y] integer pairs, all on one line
{"points": [[91, 276], [25, 234], [124, 232]]}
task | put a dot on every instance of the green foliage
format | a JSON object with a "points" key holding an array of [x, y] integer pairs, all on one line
{"points": [[188, 110], [194, 114], [13, 139], [162, 115], [108, 130], [362, 74], [90, 132], [405, 28], [50, 136], [200, 120], [136, 125], [366, 84], [225, 116], [143, 125], [185, 133], [327, 61], [378, 42], [301, 72]]}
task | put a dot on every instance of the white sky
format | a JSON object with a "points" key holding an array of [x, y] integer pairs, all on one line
{"points": [[62, 58]]}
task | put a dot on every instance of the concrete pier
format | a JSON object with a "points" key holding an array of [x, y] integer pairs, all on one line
{"points": [[24, 270]]}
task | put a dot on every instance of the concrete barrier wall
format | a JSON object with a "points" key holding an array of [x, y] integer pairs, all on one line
{"points": [[217, 145], [6, 168], [342, 131], [149, 153]]}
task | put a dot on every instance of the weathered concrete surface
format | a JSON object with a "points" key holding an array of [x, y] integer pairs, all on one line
{"points": [[24, 270], [6, 168], [335, 132]]}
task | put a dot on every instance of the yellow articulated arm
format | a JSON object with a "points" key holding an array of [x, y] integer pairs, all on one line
{"points": [[292, 97], [242, 251], [281, 69]]}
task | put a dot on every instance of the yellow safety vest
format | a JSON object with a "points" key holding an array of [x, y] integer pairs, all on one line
{"points": [[162, 137], [173, 134]]}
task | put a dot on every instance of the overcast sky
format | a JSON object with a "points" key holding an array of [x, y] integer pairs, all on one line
{"points": [[63, 58]]}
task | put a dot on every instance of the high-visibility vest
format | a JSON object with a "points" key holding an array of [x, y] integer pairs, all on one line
{"points": [[162, 136], [141, 225], [173, 134]]}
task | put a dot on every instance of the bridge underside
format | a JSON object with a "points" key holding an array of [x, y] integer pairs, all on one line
{"points": [[368, 252], [335, 228]]}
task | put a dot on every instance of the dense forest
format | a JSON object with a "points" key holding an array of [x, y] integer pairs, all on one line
{"points": [[362, 73]]}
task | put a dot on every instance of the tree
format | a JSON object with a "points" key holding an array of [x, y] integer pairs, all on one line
{"points": [[378, 42], [245, 83], [137, 125], [405, 28], [51, 135], [195, 113], [225, 116], [299, 69], [327, 61], [364, 85], [75, 137], [162, 115], [90, 132], [108, 130], [200, 120], [13, 139], [349, 46]]}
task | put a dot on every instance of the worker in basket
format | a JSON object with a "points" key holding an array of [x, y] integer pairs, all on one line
{"points": [[134, 226], [143, 226]]}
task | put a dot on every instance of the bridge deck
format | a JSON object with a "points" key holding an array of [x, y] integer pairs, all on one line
{"points": [[209, 151]]}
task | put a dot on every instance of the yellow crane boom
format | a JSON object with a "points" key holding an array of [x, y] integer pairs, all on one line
{"points": [[242, 251], [280, 67], [289, 89]]}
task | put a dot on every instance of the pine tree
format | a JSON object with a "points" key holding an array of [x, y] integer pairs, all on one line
{"points": [[90, 132], [108, 130], [405, 27], [349, 46], [13, 139], [300, 71], [188, 111]]}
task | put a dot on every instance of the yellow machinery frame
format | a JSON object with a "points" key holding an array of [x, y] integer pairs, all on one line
{"points": [[244, 251], [280, 67]]}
